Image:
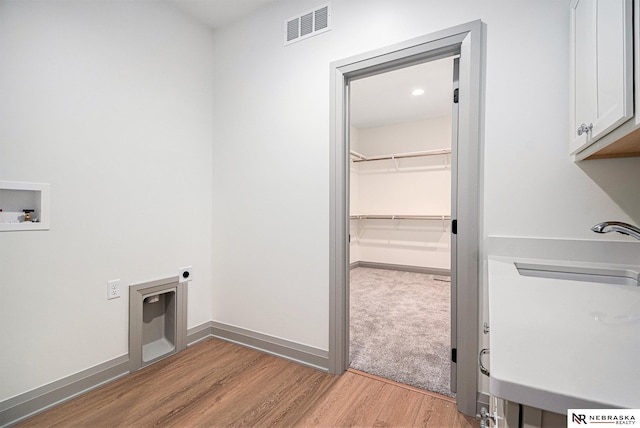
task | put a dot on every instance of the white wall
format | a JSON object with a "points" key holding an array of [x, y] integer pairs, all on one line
{"points": [[412, 186], [429, 134], [113, 103], [110, 103], [417, 186], [271, 153]]}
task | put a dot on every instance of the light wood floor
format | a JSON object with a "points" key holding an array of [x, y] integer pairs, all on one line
{"points": [[216, 383]]}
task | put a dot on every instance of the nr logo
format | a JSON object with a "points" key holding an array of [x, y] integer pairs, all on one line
{"points": [[579, 419]]}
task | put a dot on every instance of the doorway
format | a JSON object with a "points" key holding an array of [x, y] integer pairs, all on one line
{"points": [[465, 41], [400, 144]]}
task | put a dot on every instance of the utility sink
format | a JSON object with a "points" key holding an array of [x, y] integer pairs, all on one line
{"points": [[564, 334], [580, 273]]}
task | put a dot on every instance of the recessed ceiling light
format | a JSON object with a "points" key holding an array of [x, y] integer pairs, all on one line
{"points": [[417, 92]]}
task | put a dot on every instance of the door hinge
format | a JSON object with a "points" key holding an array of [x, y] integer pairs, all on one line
{"points": [[455, 95], [454, 355], [454, 227]]}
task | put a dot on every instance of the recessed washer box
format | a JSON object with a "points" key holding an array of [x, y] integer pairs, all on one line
{"points": [[157, 321], [16, 197]]}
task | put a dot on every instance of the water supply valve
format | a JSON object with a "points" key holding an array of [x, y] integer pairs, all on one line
{"points": [[27, 215], [487, 419]]}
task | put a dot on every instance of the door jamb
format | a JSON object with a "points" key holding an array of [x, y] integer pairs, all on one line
{"points": [[464, 39]]}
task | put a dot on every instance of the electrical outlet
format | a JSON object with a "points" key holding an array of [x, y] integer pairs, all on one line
{"points": [[185, 274], [113, 289]]}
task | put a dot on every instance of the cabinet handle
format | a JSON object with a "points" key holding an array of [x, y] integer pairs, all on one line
{"points": [[483, 369], [584, 128]]}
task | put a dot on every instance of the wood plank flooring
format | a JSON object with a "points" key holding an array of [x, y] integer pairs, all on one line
{"points": [[219, 384]]}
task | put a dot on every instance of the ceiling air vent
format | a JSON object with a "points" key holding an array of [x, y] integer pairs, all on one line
{"points": [[308, 24]]}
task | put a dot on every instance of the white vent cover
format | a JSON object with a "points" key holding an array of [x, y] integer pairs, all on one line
{"points": [[308, 24]]}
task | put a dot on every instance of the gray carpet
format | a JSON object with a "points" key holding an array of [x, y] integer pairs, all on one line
{"points": [[400, 327]]}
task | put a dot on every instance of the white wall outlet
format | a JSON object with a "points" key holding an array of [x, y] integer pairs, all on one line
{"points": [[113, 289], [186, 274]]}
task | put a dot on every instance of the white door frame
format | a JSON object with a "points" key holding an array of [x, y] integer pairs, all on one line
{"points": [[465, 40]]}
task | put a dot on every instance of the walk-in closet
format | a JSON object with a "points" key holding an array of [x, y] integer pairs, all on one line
{"points": [[400, 139]]}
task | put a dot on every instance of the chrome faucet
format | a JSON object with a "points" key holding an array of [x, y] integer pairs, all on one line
{"points": [[617, 226]]}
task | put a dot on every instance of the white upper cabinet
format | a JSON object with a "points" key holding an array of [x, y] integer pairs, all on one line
{"points": [[601, 69]]}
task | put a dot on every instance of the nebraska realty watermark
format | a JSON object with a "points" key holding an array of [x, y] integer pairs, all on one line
{"points": [[582, 417]]}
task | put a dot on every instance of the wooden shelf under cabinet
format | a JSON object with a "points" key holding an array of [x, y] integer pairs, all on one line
{"points": [[625, 147]]}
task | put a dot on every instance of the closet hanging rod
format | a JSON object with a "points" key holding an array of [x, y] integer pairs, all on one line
{"points": [[358, 155], [400, 217], [362, 158]]}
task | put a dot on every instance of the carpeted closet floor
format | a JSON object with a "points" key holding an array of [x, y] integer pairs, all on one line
{"points": [[400, 327]]}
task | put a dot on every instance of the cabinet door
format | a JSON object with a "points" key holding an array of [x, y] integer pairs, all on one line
{"points": [[583, 69], [601, 66], [614, 65]]}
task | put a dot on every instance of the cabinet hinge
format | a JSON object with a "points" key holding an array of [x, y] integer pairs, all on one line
{"points": [[454, 355], [455, 95], [454, 227]]}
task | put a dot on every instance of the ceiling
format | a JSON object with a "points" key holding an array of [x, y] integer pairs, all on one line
{"points": [[386, 99], [216, 13]]}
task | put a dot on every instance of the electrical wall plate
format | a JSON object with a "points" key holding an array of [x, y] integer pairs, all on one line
{"points": [[113, 289], [186, 274]]}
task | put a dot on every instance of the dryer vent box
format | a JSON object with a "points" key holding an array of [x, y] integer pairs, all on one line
{"points": [[307, 24]]}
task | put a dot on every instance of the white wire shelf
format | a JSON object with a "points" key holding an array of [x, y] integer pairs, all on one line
{"points": [[400, 217], [358, 157]]}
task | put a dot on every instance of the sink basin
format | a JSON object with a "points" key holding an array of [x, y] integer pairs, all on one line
{"points": [[564, 334], [580, 273]]}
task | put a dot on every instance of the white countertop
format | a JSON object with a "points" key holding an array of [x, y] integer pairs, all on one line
{"points": [[558, 344]]}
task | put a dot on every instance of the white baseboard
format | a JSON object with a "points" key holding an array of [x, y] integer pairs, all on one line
{"points": [[292, 351], [32, 402], [404, 268]]}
